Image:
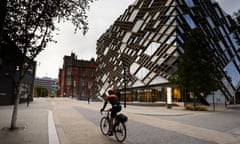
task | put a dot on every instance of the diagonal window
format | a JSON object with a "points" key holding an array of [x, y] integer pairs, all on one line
{"points": [[151, 49], [189, 20]]}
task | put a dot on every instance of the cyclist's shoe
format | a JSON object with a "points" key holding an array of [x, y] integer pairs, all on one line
{"points": [[110, 133]]}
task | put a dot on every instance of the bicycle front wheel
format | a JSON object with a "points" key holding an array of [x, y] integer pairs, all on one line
{"points": [[104, 125], [120, 132]]}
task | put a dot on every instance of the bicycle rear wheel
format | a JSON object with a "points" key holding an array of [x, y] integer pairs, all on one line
{"points": [[104, 125], [120, 132]]}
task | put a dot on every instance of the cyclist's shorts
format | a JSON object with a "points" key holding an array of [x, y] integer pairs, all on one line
{"points": [[115, 110]]}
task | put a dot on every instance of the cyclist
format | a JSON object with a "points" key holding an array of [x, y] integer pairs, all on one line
{"points": [[116, 107]]}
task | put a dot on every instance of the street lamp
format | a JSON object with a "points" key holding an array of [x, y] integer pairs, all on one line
{"points": [[125, 78], [90, 84]]}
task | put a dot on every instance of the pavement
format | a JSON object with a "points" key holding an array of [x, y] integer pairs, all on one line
{"points": [[55, 121]]}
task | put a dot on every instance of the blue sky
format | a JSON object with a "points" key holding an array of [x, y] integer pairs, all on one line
{"points": [[102, 14]]}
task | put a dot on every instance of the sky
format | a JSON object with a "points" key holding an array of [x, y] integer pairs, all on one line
{"points": [[101, 15]]}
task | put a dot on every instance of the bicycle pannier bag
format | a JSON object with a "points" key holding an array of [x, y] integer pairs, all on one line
{"points": [[121, 117]]}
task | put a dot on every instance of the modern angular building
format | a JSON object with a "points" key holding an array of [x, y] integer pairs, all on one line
{"points": [[140, 51], [77, 78]]}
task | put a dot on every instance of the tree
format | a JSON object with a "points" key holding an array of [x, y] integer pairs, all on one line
{"points": [[3, 9], [196, 71], [30, 25], [41, 91]]}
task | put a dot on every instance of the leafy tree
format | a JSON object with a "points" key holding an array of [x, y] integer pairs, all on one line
{"points": [[30, 25], [3, 9], [41, 91], [196, 72]]}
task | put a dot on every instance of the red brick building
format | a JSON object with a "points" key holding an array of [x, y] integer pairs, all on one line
{"points": [[77, 78]]}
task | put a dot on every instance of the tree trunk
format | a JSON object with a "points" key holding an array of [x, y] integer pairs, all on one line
{"points": [[15, 109], [17, 99], [193, 94], [194, 102]]}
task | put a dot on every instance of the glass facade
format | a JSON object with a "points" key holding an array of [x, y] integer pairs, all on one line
{"points": [[146, 42]]}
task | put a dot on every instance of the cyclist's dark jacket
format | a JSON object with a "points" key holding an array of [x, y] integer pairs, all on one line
{"points": [[113, 99], [116, 107]]}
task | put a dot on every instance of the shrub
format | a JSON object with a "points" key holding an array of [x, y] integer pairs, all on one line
{"points": [[189, 107], [201, 108], [198, 108]]}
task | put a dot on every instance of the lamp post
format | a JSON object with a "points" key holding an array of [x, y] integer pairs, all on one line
{"points": [[125, 71], [214, 106], [72, 81], [90, 84], [125, 84], [72, 72]]}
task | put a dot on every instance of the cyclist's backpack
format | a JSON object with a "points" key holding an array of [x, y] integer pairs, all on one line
{"points": [[122, 118]]}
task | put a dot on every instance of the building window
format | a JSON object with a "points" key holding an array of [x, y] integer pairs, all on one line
{"points": [[134, 14], [156, 24], [235, 43], [150, 4], [170, 19], [189, 20], [170, 30], [160, 61], [83, 72], [180, 38], [210, 22], [137, 26], [69, 71], [134, 67], [168, 2], [151, 49], [189, 3], [158, 80], [69, 81], [141, 74], [81, 82], [170, 40], [92, 73], [218, 12], [126, 37], [169, 11], [156, 15], [233, 74], [106, 51]]}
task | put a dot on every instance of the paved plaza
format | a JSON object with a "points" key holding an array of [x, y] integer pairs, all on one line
{"points": [[68, 121]]}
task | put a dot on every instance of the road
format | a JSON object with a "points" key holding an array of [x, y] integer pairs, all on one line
{"points": [[139, 133], [78, 122]]}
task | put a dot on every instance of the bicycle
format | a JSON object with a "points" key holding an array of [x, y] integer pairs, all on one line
{"points": [[119, 127]]}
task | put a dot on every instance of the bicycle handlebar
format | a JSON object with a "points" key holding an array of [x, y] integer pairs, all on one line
{"points": [[109, 110]]}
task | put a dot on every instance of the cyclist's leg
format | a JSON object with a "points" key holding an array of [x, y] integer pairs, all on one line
{"points": [[110, 133], [114, 111]]}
